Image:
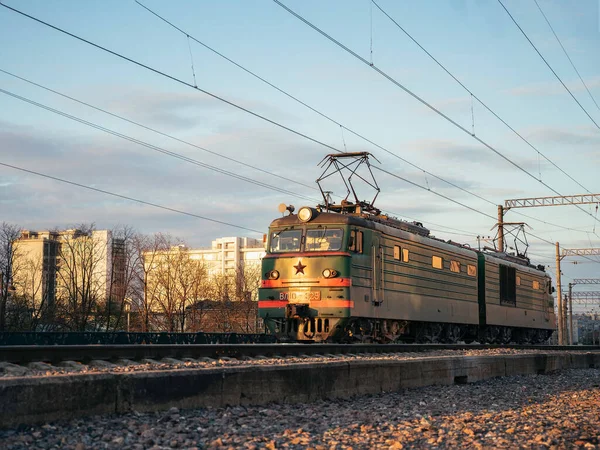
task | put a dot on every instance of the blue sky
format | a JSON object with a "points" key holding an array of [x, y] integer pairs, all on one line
{"points": [[475, 40]]}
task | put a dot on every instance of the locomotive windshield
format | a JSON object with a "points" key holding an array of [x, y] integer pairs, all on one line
{"points": [[324, 240], [317, 240], [286, 241]]}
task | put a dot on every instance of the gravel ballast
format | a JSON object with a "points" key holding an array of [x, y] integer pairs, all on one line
{"points": [[558, 410], [37, 369]]}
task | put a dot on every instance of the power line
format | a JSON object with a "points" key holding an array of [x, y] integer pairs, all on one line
{"points": [[547, 64], [273, 122], [171, 77], [462, 232], [277, 123], [475, 96], [125, 197], [418, 98], [327, 117], [567, 55], [154, 147], [296, 99], [154, 130]]}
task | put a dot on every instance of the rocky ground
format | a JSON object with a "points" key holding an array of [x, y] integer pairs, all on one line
{"points": [[559, 410]]}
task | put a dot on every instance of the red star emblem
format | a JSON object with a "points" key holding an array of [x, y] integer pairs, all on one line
{"points": [[299, 267]]}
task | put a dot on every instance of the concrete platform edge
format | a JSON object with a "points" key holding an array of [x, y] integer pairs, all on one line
{"points": [[30, 400]]}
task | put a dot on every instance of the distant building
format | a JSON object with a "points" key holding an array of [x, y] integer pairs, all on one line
{"points": [[35, 274], [229, 254], [185, 286], [50, 263]]}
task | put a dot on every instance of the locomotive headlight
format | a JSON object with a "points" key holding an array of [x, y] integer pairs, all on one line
{"points": [[329, 273], [273, 275], [305, 214]]}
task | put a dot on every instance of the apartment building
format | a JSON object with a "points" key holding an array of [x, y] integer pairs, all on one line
{"points": [[50, 264]]}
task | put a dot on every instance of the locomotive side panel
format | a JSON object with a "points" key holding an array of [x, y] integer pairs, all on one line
{"points": [[516, 295], [421, 279]]}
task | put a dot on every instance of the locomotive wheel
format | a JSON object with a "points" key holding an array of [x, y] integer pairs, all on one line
{"points": [[429, 333], [452, 333], [505, 335], [492, 335]]}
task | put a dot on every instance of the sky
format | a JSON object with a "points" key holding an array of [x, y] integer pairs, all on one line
{"points": [[160, 140]]}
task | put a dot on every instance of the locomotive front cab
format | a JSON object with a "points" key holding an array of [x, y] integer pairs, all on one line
{"points": [[305, 286]]}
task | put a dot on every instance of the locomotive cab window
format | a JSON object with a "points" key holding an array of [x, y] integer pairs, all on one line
{"points": [[437, 262], [286, 241], [536, 284], [508, 285], [356, 241], [518, 280], [471, 270], [455, 266], [324, 239]]}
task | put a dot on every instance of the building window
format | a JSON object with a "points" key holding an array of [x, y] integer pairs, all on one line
{"points": [[536, 284], [356, 241], [437, 262], [455, 266], [508, 285], [471, 270]]}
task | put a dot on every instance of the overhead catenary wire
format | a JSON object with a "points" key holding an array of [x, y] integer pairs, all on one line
{"points": [[473, 96], [154, 147], [232, 104], [567, 54], [126, 197], [154, 130], [457, 231], [355, 133], [548, 64], [217, 97], [306, 105], [419, 99]]}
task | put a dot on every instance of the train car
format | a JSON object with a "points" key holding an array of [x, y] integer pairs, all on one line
{"points": [[518, 300], [329, 276]]}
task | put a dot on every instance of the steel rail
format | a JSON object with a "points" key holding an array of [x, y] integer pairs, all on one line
{"points": [[23, 354]]}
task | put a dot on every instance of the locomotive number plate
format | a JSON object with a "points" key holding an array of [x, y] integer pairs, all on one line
{"points": [[300, 296]]}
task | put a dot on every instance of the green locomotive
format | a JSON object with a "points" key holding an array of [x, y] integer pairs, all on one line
{"points": [[349, 273]]}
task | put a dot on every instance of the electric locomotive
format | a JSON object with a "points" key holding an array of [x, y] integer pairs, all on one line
{"points": [[348, 273]]}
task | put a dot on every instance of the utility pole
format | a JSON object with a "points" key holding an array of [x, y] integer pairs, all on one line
{"points": [[559, 296], [570, 313], [500, 228], [533, 202], [565, 321]]}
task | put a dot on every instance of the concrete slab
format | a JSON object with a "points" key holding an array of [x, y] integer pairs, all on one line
{"points": [[27, 400]]}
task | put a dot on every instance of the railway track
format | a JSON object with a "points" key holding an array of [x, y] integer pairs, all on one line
{"points": [[24, 354]]}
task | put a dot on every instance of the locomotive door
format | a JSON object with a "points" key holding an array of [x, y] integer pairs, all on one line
{"points": [[377, 278]]}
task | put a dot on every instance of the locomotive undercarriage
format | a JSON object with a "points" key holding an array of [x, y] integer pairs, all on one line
{"points": [[387, 331], [357, 330]]}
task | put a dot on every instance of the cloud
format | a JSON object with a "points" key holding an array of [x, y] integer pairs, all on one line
{"points": [[570, 136], [553, 87], [185, 110], [451, 151]]}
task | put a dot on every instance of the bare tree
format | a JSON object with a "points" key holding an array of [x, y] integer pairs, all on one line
{"points": [[145, 255], [174, 284], [125, 262], [29, 304], [9, 265], [82, 276]]}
